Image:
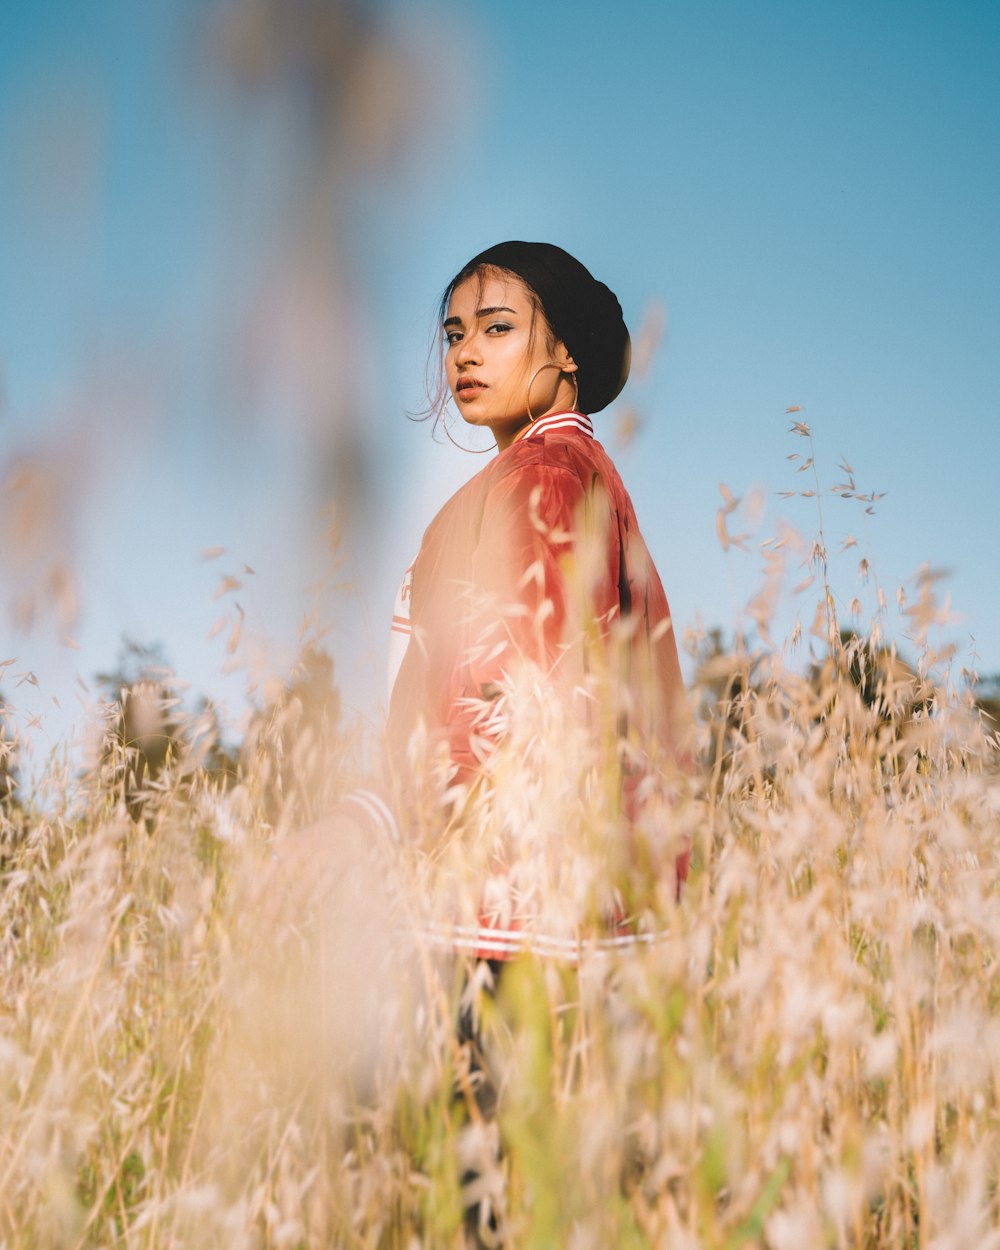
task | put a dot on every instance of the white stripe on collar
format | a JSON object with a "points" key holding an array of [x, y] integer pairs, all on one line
{"points": [[561, 421]]}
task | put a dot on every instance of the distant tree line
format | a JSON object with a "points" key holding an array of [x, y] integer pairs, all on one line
{"points": [[286, 755], [295, 747]]}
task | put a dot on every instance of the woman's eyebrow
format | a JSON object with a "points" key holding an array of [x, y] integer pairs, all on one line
{"points": [[480, 312]]}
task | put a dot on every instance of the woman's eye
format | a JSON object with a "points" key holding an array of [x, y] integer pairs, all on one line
{"points": [[498, 327], [453, 337]]}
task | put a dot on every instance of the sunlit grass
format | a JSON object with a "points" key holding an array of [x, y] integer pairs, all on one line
{"points": [[219, 1028], [227, 1016]]}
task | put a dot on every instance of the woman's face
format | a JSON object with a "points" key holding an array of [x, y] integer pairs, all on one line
{"points": [[496, 343]]}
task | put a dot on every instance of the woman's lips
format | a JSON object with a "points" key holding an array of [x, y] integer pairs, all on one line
{"points": [[468, 389]]}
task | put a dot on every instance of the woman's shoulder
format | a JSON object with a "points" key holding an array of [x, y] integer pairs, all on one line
{"points": [[556, 452], [555, 456], [526, 465]]}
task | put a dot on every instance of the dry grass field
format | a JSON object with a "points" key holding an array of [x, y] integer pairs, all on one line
{"points": [[219, 1030]]}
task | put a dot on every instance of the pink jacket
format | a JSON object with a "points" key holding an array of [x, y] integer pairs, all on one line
{"points": [[490, 588]]}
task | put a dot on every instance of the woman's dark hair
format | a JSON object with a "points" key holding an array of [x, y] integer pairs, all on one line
{"points": [[581, 312]]}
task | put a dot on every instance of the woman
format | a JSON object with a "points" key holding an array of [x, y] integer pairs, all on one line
{"points": [[536, 565]]}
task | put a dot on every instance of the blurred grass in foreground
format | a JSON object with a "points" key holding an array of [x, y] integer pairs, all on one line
{"points": [[218, 1030]]}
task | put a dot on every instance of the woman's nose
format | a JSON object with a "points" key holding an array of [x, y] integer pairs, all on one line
{"points": [[468, 350]]}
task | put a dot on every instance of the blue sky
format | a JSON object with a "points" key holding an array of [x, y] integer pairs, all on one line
{"points": [[808, 191]]}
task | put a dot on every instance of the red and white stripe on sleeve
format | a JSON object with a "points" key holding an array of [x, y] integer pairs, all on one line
{"points": [[399, 635]]}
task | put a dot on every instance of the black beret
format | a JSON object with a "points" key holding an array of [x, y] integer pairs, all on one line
{"points": [[582, 312]]}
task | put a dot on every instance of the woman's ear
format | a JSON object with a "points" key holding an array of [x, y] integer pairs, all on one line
{"points": [[563, 359]]}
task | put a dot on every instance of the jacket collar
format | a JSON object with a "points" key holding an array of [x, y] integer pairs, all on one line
{"points": [[560, 421]]}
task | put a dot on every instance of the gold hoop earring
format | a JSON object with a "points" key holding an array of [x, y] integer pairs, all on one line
{"points": [[472, 451], [552, 364]]}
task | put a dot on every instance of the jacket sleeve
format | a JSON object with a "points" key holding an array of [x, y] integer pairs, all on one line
{"points": [[516, 608]]}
